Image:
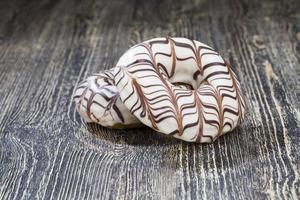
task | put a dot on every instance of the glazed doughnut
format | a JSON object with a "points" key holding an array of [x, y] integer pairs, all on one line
{"points": [[97, 100], [148, 76]]}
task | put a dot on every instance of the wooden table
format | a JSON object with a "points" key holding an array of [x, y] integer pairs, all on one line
{"points": [[46, 150]]}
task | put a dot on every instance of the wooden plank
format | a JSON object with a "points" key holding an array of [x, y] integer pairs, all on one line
{"points": [[47, 152]]}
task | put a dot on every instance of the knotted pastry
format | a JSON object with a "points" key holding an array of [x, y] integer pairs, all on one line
{"points": [[97, 100], [178, 87]]}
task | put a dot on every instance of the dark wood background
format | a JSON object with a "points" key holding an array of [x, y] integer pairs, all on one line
{"points": [[47, 152]]}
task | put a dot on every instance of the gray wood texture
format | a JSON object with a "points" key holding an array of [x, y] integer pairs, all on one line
{"points": [[47, 152]]}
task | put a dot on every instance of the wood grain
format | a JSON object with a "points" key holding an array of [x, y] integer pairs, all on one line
{"points": [[47, 152]]}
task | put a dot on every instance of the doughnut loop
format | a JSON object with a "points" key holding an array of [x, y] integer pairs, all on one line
{"points": [[178, 87], [146, 77], [97, 100]]}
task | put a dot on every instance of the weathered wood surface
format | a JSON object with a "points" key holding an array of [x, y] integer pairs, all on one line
{"points": [[46, 151]]}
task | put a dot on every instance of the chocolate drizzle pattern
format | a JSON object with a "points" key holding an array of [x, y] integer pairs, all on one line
{"points": [[180, 87], [176, 86], [97, 100]]}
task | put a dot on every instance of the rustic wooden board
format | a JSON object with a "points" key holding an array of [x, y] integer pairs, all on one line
{"points": [[47, 152]]}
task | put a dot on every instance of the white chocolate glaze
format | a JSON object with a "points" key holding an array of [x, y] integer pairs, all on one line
{"points": [[147, 78]]}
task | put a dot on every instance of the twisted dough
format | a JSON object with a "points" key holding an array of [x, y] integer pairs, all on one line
{"points": [[179, 87], [97, 100]]}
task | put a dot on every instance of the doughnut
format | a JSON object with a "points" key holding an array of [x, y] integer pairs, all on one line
{"points": [[97, 100], [180, 87], [176, 86]]}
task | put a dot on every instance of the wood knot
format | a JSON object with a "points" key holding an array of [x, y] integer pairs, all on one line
{"points": [[258, 42]]}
